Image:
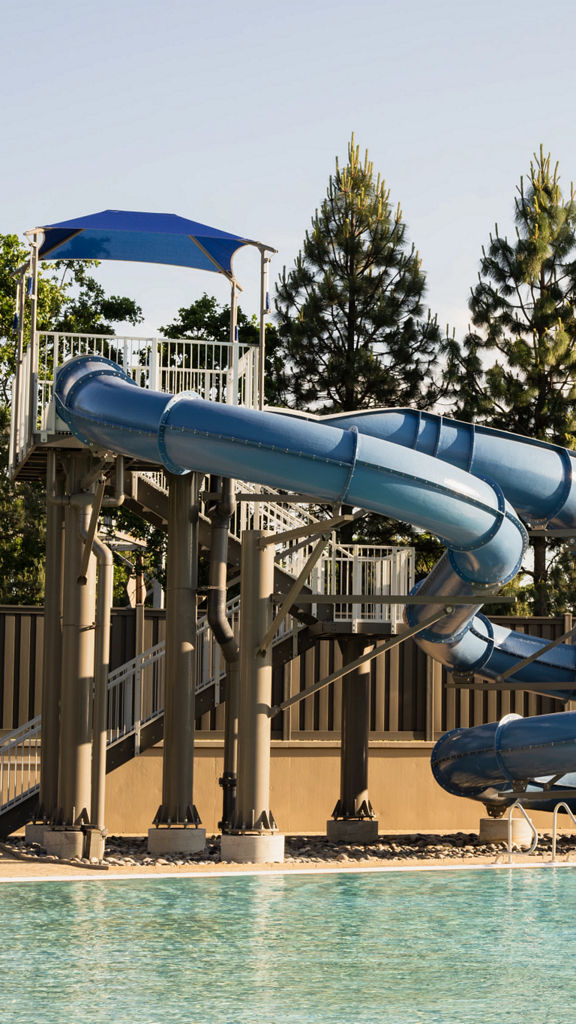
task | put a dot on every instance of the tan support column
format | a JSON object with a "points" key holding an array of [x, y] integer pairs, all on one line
{"points": [[253, 837], [353, 818], [177, 820], [78, 622], [52, 654]]}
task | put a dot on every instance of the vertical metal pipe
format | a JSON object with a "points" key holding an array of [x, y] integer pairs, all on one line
{"points": [[52, 653], [138, 649], [262, 367], [104, 595], [16, 425], [220, 514], [234, 341], [79, 606], [33, 408], [354, 801], [257, 573], [182, 562]]}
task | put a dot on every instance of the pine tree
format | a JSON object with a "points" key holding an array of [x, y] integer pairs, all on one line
{"points": [[350, 311], [523, 315]]}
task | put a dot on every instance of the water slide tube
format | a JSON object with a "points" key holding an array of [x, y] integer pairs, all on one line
{"points": [[454, 480]]}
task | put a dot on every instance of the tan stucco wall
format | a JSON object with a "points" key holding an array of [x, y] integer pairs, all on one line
{"points": [[304, 789]]}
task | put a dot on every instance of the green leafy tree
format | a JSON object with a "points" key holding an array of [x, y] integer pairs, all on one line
{"points": [[69, 299], [516, 367], [207, 318], [351, 311]]}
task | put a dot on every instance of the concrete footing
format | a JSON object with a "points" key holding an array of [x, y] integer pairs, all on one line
{"points": [[64, 842], [495, 830], [352, 830], [34, 833], [94, 844], [67, 842], [176, 839], [252, 848]]}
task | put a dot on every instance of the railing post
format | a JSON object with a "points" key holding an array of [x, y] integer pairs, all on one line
{"points": [[154, 364], [33, 397], [234, 341]]}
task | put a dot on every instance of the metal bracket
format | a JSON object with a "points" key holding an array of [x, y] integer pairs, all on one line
{"points": [[91, 531], [292, 594]]}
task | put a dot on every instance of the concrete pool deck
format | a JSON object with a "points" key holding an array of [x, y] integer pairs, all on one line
{"points": [[304, 854]]}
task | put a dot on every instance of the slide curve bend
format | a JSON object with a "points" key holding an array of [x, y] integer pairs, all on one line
{"points": [[470, 486]]}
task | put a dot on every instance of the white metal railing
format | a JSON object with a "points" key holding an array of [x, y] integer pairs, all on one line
{"points": [[562, 806], [219, 371], [20, 763], [370, 570], [135, 693], [535, 837], [270, 515]]}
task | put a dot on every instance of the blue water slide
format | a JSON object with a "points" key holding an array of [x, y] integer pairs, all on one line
{"points": [[456, 481]]}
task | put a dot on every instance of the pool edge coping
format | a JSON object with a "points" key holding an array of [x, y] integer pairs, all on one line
{"points": [[265, 871]]}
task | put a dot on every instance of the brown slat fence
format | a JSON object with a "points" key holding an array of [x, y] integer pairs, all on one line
{"points": [[408, 696]]}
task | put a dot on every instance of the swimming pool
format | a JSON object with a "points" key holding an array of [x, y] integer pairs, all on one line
{"points": [[448, 947]]}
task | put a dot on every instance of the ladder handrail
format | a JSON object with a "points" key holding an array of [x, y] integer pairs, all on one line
{"points": [[555, 825], [534, 831]]}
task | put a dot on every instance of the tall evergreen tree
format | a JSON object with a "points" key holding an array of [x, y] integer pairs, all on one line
{"points": [[352, 324], [516, 367]]}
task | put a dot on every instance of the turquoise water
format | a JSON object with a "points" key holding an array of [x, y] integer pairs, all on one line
{"points": [[466, 947]]}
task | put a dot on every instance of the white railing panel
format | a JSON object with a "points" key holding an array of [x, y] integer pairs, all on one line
{"points": [[20, 763], [173, 366], [136, 693]]}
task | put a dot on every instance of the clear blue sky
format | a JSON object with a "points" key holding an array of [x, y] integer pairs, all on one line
{"points": [[233, 114]]}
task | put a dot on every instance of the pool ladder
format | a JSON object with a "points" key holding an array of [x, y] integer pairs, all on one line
{"points": [[555, 825], [535, 836], [559, 807]]}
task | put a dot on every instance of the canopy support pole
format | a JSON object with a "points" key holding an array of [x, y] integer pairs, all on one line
{"points": [[264, 261], [234, 340], [34, 242]]}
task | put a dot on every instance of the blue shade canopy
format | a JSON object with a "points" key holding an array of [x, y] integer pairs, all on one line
{"points": [[143, 238]]}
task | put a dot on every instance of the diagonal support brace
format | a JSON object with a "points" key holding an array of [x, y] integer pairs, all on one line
{"points": [[374, 653], [307, 531], [534, 657]]}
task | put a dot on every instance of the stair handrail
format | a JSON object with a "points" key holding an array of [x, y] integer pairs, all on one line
{"points": [[558, 807]]}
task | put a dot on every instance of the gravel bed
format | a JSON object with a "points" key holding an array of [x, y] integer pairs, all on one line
{"points": [[131, 852]]}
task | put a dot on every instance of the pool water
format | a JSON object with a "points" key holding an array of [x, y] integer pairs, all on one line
{"points": [[455, 947]]}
